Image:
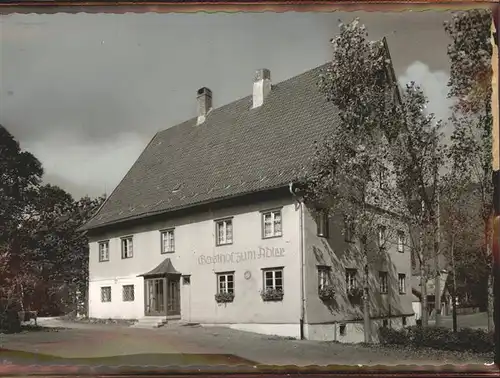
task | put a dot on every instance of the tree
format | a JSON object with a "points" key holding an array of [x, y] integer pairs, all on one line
{"points": [[349, 172], [470, 86], [417, 153], [20, 174]]}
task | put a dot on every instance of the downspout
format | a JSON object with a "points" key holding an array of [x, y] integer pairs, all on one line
{"points": [[302, 262]]}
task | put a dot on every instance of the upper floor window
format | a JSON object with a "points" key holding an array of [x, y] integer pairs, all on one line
{"points": [[402, 283], [401, 241], [106, 294], [351, 279], [384, 284], [104, 251], [382, 230], [271, 223], [224, 231], [323, 277], [167, 241], [322, 223], [127, 247], [225, 283], [348, 230]]}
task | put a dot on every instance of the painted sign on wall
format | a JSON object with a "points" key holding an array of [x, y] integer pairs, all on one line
{"points": [[238, 257]]}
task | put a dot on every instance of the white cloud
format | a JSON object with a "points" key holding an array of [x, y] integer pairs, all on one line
{"points": [[434, 85]]}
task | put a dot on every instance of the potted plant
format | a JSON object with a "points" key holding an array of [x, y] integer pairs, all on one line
{"points": [[272, 295], [326, 292], [355, 292], [224, 297]]}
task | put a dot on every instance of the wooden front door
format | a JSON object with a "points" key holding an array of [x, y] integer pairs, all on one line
{"points": [[155, 297], [173, 295]]}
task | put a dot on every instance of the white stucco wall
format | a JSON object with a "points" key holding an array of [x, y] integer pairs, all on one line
{"points": [[323, 318], [195, 255]]}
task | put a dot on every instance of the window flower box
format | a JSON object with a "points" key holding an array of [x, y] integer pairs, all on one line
{"points": [[224, 297], [272, 295], [327, 292], [355, 292]]}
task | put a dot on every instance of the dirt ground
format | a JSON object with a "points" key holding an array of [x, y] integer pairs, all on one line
{"points": [[93, 344]]}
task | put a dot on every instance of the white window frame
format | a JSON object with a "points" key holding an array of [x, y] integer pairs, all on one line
{"points": [[275, 232], [348, 231], [351, 278], [402, 283], [127, 247], [323, 276], [223, 239], [384, 282], [382, 234], [104, 250], [124, 287], [103, 297], [271, 274], [401, 241], [222, 282], [168, 241]]}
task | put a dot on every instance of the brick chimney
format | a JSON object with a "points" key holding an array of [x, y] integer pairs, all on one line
{"points": [[204, 100], [261, 86]]}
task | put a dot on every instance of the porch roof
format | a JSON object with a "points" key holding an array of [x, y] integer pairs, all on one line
{"points": [[163, 269]]}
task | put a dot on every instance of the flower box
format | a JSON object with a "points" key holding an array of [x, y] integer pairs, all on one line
{"points": [[327, 292], [355, 292], [224, 297], [269, 295]]}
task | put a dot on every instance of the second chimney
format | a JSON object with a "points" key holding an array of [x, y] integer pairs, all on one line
{"points": [[261, 86], [204, 100]]}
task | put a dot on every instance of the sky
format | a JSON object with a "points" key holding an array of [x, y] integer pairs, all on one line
{"points": [[85, 93]]}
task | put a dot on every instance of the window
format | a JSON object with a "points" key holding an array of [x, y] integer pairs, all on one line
{"points": [[127, 248], [104, 251], [343, 329], [382, 177], [128, 293], [348, 230], [402, 283], [401, 241], [323, 277], [106, 294], [167, 241], [381, 236], [385, 323], [225, 283], [383, 282], [224, 230], [273, 279], [271, 223], [186, 280], [350, 278], [403, 320], [322, 223]]}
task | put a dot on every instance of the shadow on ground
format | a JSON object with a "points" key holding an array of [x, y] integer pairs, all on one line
{"points": [[9, 356]]}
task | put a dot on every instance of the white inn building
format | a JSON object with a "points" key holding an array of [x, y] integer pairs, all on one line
{"points": [[208, 227]]}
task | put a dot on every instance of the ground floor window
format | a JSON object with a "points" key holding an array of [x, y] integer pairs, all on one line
{"points": [[343, 330], [273, 284], [128, 293], [225, 283], [106, 294]]}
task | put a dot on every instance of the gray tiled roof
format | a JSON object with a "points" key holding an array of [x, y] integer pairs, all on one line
{"points": [[237, 150]]}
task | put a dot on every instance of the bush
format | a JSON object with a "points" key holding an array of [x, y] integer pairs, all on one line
{"points": [[9, 321], [475, 340]]}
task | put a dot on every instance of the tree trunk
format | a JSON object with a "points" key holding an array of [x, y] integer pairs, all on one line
{"points": [[437, 270], [366, 310], [491, 299], [423, 284]]}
